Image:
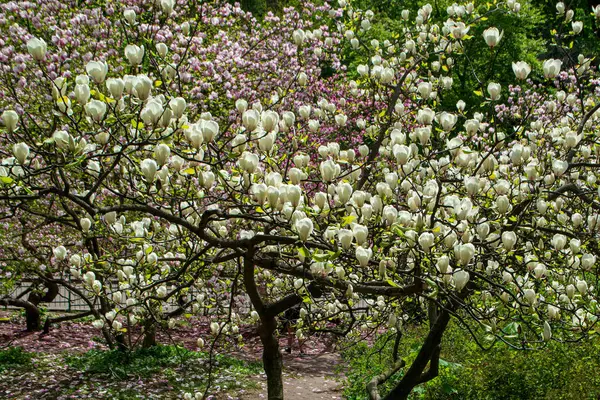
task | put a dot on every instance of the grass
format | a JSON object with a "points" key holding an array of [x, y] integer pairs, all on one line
{"points": [[180, 368], [14, 357]]}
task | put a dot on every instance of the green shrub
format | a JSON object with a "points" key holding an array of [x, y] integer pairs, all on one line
{"points": [[559, 371], [14, 357]]}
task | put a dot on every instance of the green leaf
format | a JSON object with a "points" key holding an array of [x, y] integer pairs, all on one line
{"points": [[303, 251], [137, 125], [347, 220], [392, 283]]}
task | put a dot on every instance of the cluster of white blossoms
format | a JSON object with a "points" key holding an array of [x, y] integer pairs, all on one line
{"points": [[450, 206]]}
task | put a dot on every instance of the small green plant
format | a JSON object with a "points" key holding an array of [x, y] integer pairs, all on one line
{"points": [[14, 357]]}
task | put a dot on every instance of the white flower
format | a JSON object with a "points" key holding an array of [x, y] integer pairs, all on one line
{"points": [[328, 170], [142, 87], [89, 277], [167, 6], [86, 224], [465, 253], [424, 89], [21, 152], [494, 90], [577, 26], [559, 241], [75, 260], [472, 185], [149, 168], [552, 68], [588, 260], [116, 325], [304, 227], [443, 263], [209, 129], [134, 54], [530, 296], [363, 256], [269, 120], [390, 214], [361, 233], [582, 287], [129, 16], [483, 230], [250, 119], [492, 36], [241, 105], [559, 167], [82, 93], [460, 279], [37, 48], [161, 291], [98, 323], [248, 162], [426, 241], [177, 105], [447, 120], [97, 70], [298, 36], [96, 110], [115, 87], [345, 237], [152, 112], [509, 239], [162, 153], [547, 333], [521, 69], [10, 118], [60, 253]]}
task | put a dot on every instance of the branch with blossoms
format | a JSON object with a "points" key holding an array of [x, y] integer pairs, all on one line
{"points": [[198, 158]]}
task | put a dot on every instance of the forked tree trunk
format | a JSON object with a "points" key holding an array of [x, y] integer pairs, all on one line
{"points": [[428, 354]]}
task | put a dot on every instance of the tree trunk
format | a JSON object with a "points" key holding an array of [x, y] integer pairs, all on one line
{"points": [[32, 316], [272, 360], [149, 334], [50, 321], [428, 354], [32, 312]]}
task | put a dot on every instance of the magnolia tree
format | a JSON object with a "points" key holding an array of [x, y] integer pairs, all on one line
{"points": [[181, 173]]}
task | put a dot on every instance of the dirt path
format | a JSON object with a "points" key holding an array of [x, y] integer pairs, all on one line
{"points": [[311, 377]]}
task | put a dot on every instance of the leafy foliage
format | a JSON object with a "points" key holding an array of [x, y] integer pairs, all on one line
{"points": [[558, 371], [146, 362], [14, 357]]}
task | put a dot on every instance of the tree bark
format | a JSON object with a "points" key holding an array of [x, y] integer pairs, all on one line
{"points": [[272, 360], [32, 312], [428, 354], [149, 334], [50, 321]]}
